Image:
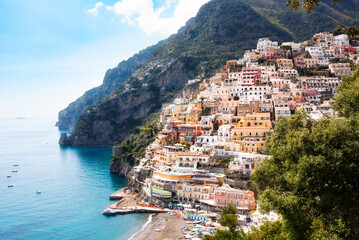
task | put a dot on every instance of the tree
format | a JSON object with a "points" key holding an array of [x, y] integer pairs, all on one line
{"points": [[228, 217], [308, 5], [347, 99], [230, 221], [338, 31], [269, 230], [235, 98], [311, 178], [225, 235], [352, 32]]}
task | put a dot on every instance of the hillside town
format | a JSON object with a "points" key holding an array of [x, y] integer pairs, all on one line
{"points": [[213, 140]]}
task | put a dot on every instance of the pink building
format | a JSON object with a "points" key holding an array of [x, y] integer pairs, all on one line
{"points": [[221, 93], [273, 54], [241, 199]]}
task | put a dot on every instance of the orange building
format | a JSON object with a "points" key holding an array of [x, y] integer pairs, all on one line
{"points": [[241, 199]]}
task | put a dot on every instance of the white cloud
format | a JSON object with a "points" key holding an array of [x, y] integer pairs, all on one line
{"points": [[93, 11], [141, 13], [98, 5]]}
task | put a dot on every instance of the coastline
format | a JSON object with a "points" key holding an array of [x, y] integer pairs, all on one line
{"points": [[160, 226]]}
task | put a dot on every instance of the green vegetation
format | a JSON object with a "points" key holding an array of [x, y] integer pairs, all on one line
{"points": [[300, 24], [161, 191], [113, 79], [186, 145], [268, 231], [228, 219], [223, 163], [308, 5], [347, 100], [134, 146]]}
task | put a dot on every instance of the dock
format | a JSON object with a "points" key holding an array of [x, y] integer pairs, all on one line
{"points": [[133, 209], [120, 194]]}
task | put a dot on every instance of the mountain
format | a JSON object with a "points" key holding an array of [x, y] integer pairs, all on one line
{"points": [[113, 79], [222, 30]]}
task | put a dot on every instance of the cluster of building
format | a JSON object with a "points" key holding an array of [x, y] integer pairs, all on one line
{"points": [[210, 144]]}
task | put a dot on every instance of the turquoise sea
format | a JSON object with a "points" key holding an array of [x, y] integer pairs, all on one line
{"points": [[74, 181]]}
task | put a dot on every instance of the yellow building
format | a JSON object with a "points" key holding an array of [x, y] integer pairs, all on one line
{"points": [[251, 131], [192, 193], [252, 144], [254, 120], [284, 63], [194, 116]]}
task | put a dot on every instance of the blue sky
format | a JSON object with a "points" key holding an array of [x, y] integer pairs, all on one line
{"points": [[52, 51]]}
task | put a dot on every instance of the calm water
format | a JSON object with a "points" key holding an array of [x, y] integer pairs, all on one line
{"points": [[74, 181]]}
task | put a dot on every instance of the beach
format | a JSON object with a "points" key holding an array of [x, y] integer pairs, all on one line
{"points": [[161, 226]]}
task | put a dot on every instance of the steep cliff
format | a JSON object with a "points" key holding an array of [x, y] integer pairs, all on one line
{"points": [[221, 30], [114, 78]]}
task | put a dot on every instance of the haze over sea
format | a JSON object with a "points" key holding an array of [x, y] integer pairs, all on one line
{"points": [[74, 181]]}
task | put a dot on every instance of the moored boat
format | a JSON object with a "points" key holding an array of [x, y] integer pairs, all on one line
{"points": [[109, 212]]}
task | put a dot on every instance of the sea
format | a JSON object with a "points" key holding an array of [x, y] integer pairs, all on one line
{"points": [[75, 185]]}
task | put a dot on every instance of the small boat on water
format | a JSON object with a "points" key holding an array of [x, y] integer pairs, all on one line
{"points": [[10, 186], [109, 212], [16, 165], [8, 176], [14, 171], [38, 192]]}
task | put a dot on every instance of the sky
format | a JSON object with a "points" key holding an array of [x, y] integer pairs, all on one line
{"points": [[52, 51]]}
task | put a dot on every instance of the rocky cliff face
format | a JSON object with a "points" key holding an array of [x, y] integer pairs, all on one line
{"points": [[114, 78], [119, 165], [116, 116]]}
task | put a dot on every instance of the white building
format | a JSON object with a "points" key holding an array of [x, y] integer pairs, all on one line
{"points": [[295, 46], [318, 53], [320, 83], [340, 40], [245, 162], [224, 132], [264, 44], [340, 69]]}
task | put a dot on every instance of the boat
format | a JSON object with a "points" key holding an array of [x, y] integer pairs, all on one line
{"points": [[10, 185], [109, 212], [38, 191], [14, 171], [8, 176], [16, 165]]}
